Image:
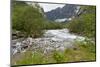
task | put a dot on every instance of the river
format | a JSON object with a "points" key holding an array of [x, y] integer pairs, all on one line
{"points": [[59, 39]]}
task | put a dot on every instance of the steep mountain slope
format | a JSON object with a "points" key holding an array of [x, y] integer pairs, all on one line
{"points": [[66, 12]]}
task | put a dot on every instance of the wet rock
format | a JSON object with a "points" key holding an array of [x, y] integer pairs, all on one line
{"points": [[19, 45], [52, 40], [17, 34]]}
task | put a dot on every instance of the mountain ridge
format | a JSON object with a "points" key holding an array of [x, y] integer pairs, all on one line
{"points": [[68, 11]]}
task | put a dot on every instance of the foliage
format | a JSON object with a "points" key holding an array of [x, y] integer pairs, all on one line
{"points": [[30, 20], [58, 56], [27, 19], [53, 25], [82, 51], [85, 23]]}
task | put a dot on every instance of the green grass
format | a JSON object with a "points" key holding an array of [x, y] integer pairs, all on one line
{"points": [[81, 52]]}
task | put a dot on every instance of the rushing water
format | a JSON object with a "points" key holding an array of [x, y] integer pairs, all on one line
{"points": [[58, 39]]}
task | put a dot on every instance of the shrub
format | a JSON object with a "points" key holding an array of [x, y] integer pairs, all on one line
{"points": [[58, 56], [27, 19], [85, 23]]}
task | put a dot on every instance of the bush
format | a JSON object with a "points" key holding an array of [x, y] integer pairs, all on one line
{"points": [[82, 51], [53, 25], [27, 19], [85, 23], [58, 56]]}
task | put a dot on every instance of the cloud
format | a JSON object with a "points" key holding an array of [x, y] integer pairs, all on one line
{"points": [[48, 7]]}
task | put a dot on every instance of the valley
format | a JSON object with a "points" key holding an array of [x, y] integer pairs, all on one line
{"points": [[64, 34]]}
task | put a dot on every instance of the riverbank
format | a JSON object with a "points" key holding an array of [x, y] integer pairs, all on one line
{"points": [[58, 39], [59, 45]]}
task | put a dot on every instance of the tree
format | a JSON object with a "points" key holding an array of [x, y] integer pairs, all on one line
{"points": [[26, 18], [85, 23]]}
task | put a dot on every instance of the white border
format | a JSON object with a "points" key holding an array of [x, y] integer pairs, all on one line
{"points": [[86, 2], [5, 35]]}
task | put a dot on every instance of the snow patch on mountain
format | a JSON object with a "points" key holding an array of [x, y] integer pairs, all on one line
{"points": [[63, 20]]}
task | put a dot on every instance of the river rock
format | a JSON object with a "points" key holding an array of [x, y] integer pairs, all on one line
{"points": [[52, 40]]}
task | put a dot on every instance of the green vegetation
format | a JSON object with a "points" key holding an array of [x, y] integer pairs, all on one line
{"points": [[31, 21], [82, 51], [28, 19], [84, 24], [53, 25], [58, 56]]}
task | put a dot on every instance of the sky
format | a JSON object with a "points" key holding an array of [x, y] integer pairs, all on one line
{"points": [[49, 7]]}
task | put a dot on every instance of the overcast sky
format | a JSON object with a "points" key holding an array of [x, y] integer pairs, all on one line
{"points": [[49, 7]]}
